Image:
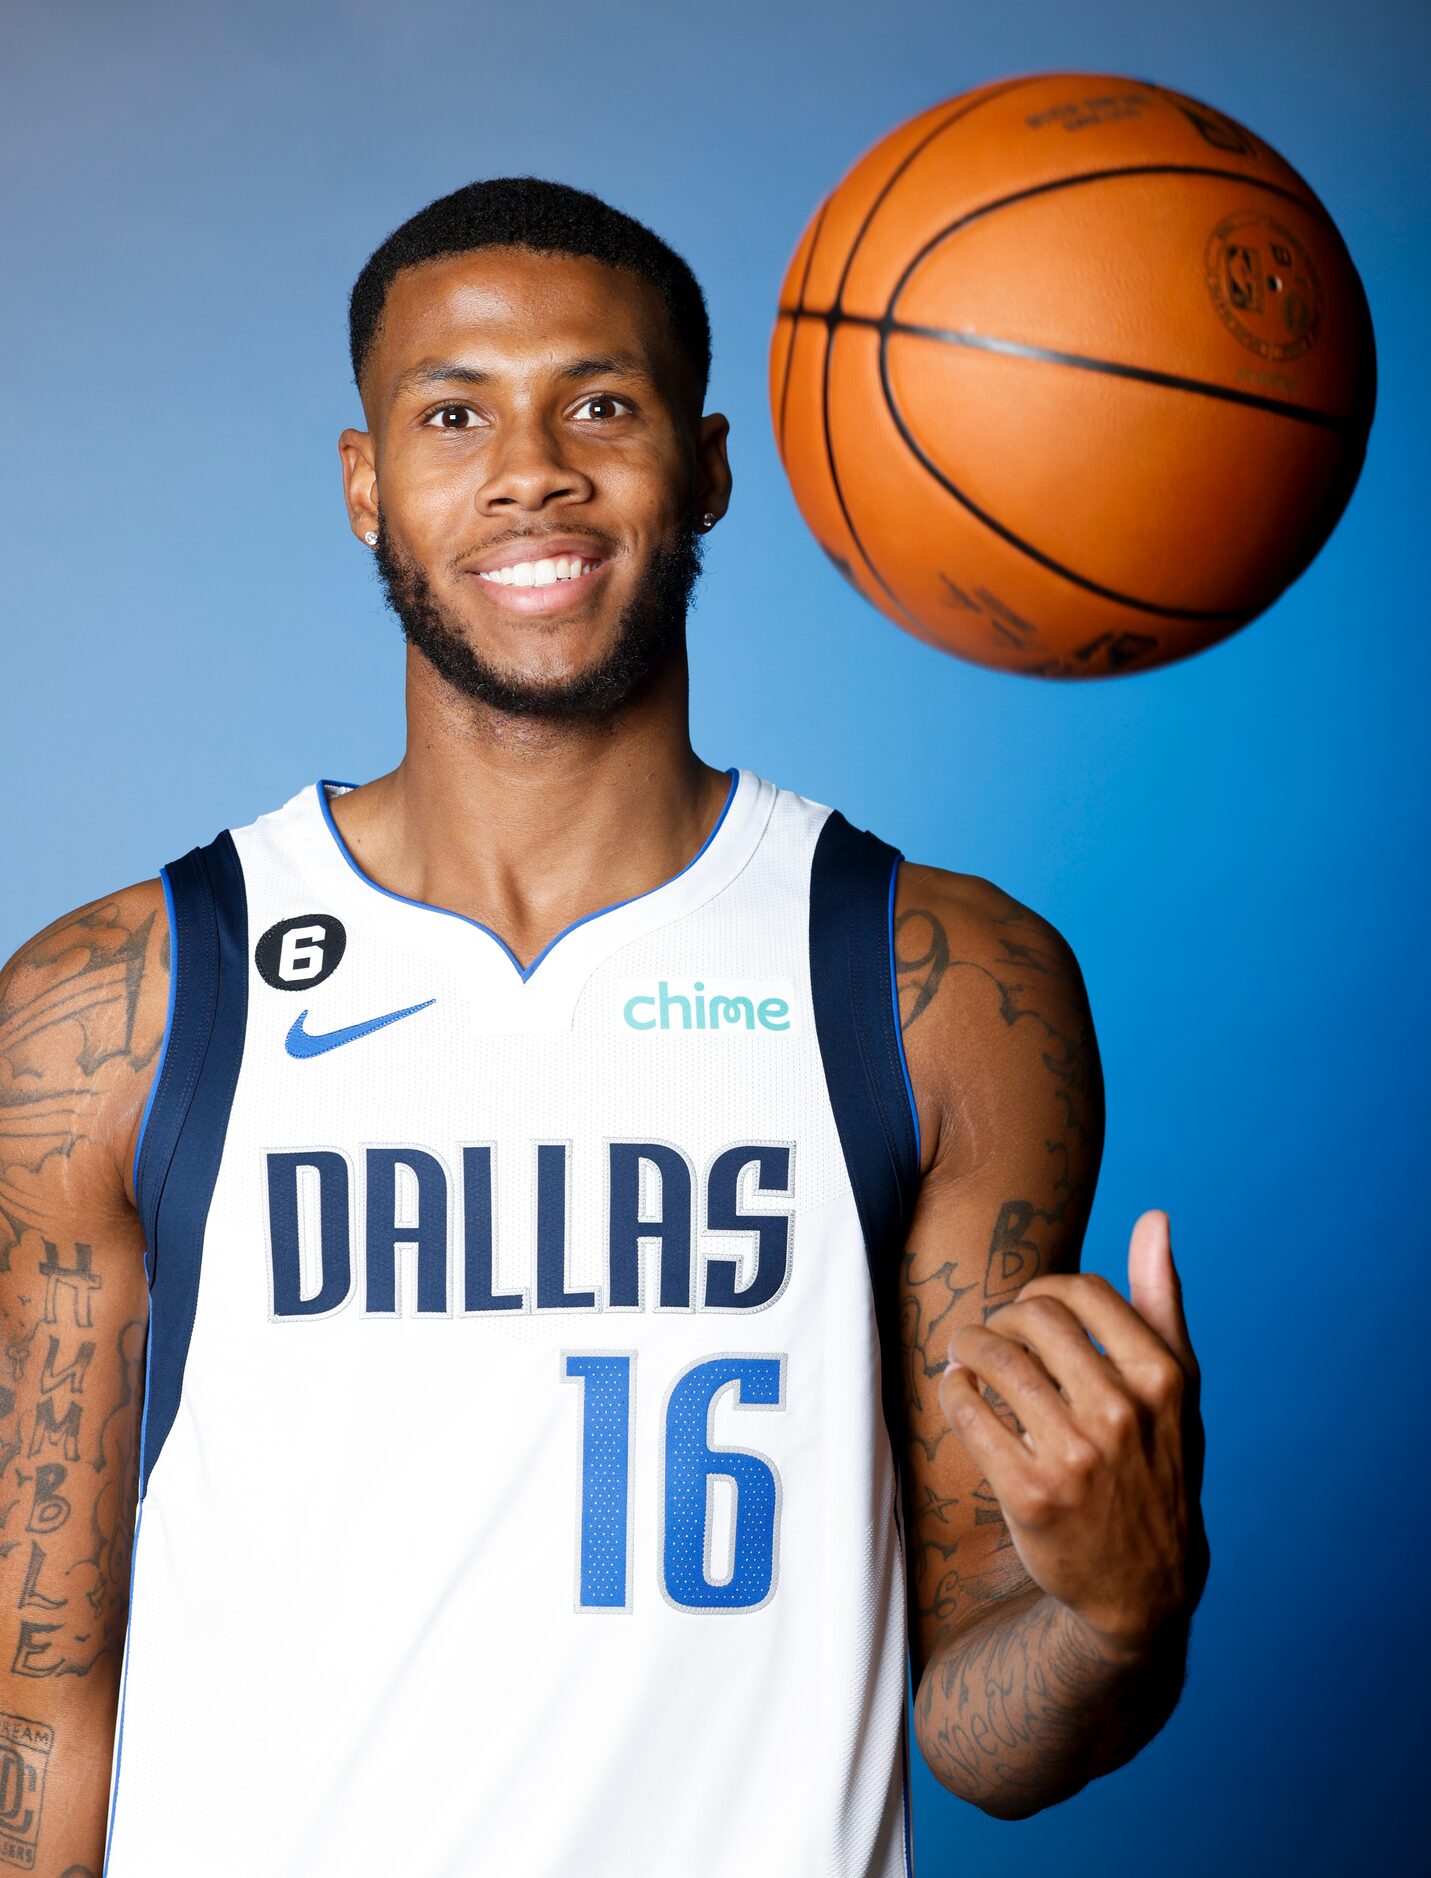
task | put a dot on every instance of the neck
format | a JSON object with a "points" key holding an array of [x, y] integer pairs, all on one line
{"points": [[527, 824]]}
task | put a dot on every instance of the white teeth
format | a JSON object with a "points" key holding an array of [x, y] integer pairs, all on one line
{"points": [[539, 573]]}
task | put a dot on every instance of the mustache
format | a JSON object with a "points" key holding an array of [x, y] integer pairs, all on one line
{"points": [[608, 544]]}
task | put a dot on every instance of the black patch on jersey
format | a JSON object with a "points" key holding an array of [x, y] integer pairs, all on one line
{"points": [[299, 953]]}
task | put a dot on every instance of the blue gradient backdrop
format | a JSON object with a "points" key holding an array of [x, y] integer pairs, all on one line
{"points": [[1232, 846]]}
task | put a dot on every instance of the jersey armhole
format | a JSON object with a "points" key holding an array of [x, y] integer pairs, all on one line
{"points": [[852, 978], [162, 1057], [186, 1119]]}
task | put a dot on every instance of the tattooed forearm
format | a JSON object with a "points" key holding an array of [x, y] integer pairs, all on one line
{"points": [[1003, 1060], [1021, 1709], [927, 1306], [81, 1021]]}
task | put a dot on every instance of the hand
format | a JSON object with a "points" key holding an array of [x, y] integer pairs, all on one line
{"points": [[1101, 1489]]}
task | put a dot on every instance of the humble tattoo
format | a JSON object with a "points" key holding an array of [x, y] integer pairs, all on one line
{"points": [[80, 1027]]}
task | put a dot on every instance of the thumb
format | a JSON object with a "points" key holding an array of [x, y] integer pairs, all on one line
{"points": [[1154, 1285]]}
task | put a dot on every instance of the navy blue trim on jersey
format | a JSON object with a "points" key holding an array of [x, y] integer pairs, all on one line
{"points": [[523, 972], [164, 1044], [188, 1117], [898, 1026], [857, 1023]]}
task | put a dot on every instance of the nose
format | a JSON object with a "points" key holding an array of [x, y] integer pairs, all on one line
{"points": [[531, 471]]}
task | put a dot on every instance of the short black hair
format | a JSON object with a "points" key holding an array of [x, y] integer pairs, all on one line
{"points": [[547, 218]]}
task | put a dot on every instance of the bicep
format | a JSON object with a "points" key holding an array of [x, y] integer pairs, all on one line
{"points": [[1005, 1069]]}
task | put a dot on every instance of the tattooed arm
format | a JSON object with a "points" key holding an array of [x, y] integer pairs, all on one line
{"points": [[81, 1019], [1022, 1697]]}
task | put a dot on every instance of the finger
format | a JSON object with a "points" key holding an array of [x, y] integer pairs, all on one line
{"points": [[1064, 1348], [992, 1443], [1155, 1287], [1018, 1376], [1143, 1361]]}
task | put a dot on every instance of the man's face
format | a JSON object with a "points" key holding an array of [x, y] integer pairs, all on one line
{"points": [[535, 466]]}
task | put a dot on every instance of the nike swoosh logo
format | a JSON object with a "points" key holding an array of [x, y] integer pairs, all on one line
{"points": [[299, 1042]]}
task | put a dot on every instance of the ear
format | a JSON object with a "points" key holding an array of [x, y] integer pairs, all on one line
{"points": [[360, 480], [713, 479]]}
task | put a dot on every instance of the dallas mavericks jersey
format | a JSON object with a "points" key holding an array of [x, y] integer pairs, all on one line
{"points": [[516, 1491]]}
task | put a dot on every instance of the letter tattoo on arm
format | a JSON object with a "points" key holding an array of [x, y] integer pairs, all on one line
{"points": [[1005, 1068], [81, 1023]]}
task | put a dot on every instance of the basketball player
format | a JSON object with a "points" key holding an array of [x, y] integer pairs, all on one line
{"points": [[583, 1231]]}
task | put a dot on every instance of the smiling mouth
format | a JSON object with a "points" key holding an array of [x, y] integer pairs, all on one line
{"points": [[542, 573], [548, 585]]}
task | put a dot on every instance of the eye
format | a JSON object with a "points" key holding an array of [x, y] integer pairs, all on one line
{"points": [[452, 417], [601, 408]]}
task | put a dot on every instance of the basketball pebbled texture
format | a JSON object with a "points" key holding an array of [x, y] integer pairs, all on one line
{"points": [[1072, 375]]}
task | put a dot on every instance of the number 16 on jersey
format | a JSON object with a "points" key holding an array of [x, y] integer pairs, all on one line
{"points": [[691, 1469]]}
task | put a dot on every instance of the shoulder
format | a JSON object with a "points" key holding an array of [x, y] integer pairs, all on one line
{"points": [[990, 992], [82, 1013], [943, 919]]}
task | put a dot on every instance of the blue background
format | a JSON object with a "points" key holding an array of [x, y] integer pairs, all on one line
{"points": [[1232, 845]]}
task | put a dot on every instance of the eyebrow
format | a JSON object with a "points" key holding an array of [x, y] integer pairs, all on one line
{"points": [[452, 372]]}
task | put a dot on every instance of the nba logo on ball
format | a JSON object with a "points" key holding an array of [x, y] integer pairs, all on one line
{"points": [[1265, 286], [1010, 378]]}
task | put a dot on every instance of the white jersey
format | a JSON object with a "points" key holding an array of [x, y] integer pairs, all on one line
{"points": [[517, 1496]]}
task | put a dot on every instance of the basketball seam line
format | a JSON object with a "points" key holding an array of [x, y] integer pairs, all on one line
{"points": [[1145, 374], [1016, 541], [956, 116], [1098, 176], [800, 301]]}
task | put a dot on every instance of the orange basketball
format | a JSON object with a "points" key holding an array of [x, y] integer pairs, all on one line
{"points": [[1072, 375]]}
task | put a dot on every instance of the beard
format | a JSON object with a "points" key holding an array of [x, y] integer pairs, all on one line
{"points": [[651, 629]]}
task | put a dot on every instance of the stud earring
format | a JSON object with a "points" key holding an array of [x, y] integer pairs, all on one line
{"points": [[708, 521], [371, 537]]}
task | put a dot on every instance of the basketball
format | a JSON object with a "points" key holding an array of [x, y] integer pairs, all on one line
{"points": [[1072, 375]]}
